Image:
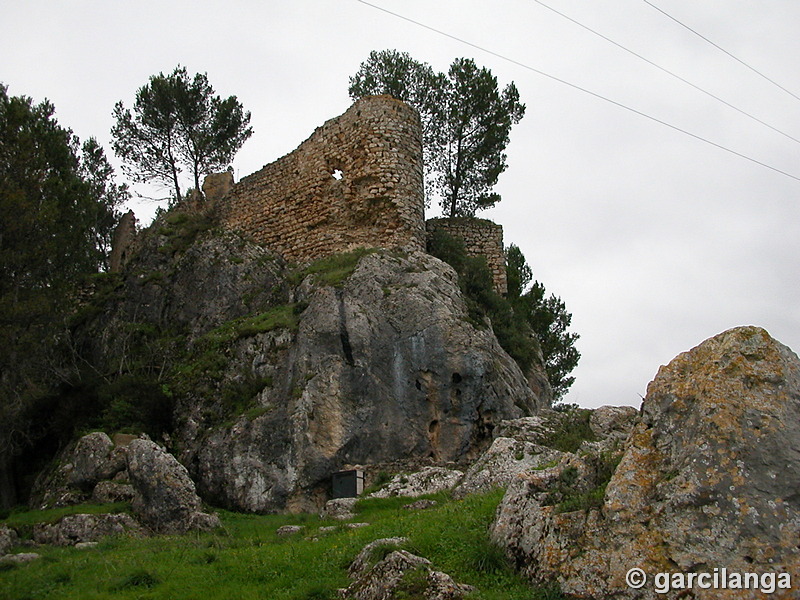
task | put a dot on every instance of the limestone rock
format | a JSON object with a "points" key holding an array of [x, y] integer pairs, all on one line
{"points": [[74, 529], [535, 429], [389, 345], [340, 509], [94, 459], [166, 500], [217, 185], [401, 572], [708, 480], [613, 421], [421, 505], [288, 530], [8, 539], [501, 463], [367, 557], [429, 480], [111, 491], [19, 559]]}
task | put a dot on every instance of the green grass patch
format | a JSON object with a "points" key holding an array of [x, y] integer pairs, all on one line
{"points": [[181, 230], [333, 270], [246, 559]]}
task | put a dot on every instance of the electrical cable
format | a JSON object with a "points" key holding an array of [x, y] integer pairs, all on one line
{"points": [[579, 88], [721, 49], [667, 71]]}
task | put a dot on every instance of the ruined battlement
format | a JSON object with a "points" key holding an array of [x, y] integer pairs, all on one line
{"points": [[481, 238], [356, 182]]}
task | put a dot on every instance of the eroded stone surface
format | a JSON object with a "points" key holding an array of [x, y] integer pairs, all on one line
{"points": [[430, 480], [74, 529], [166, 500], [709, 479]]}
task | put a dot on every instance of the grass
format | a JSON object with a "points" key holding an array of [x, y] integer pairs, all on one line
{"points": [[246, 559], [333, 270]]}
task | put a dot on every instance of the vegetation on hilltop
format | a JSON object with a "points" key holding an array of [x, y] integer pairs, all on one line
{"points": [[176, 123], [466, 123], [58, 208]]}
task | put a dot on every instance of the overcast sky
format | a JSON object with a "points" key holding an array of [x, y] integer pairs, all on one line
{"points": [[655, 240]]}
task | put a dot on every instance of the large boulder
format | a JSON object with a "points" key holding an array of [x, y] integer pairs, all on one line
{"points": [[75, 529], [429, 480], [505, 459], [708, 482], [8, 539], [166, 500], [399, 574], [93, 460]]}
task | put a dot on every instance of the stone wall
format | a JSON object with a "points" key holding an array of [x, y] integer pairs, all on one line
{"points": [[123, 242], [356, 182], [481, 238]]}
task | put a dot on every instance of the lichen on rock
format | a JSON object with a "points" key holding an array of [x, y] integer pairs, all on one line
{"points": [[709, 479]]}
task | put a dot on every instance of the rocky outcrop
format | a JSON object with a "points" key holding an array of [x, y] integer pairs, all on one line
{"points": [[501, 463], [383, 366], [80, 470], [75, 529], [165, 499], [340, 509], [708, 481], [429, 480], [8, 539], [398, 574], [93, 460]]}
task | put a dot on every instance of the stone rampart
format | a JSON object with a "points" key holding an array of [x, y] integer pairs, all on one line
{"points": [[356, 182], [481, 238]]}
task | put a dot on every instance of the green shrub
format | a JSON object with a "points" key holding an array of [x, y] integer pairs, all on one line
{"points": [[477, 284], [570, 430]]}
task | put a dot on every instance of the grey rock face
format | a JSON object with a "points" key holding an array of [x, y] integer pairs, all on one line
{"points": [[429, 480], [8, 539], [501, 463], [614, 421], [166, 500], [91, 461], [382, 367], [94, 459], [709, 479], [111, 491], [340, 509], [74, 529], [400, 572]]}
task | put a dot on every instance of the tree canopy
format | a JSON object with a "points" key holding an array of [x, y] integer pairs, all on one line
{"points": [[58, 208], [547, 316], [466, 123], [178, 123]]}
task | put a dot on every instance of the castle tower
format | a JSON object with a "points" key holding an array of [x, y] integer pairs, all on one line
{"points": [[356, 182]]}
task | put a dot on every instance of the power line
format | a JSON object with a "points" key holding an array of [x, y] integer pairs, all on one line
{"points": [[721, 49], [667, 71], [579, 88]]}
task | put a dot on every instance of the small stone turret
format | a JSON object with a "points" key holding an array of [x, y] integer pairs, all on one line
{"points": [[123, 242]]}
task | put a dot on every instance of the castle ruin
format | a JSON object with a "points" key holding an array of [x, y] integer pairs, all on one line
{"points": [[356, 182]]}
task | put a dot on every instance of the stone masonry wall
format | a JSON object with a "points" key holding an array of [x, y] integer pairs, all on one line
{"points": [[481, 238], [356, 182]]}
